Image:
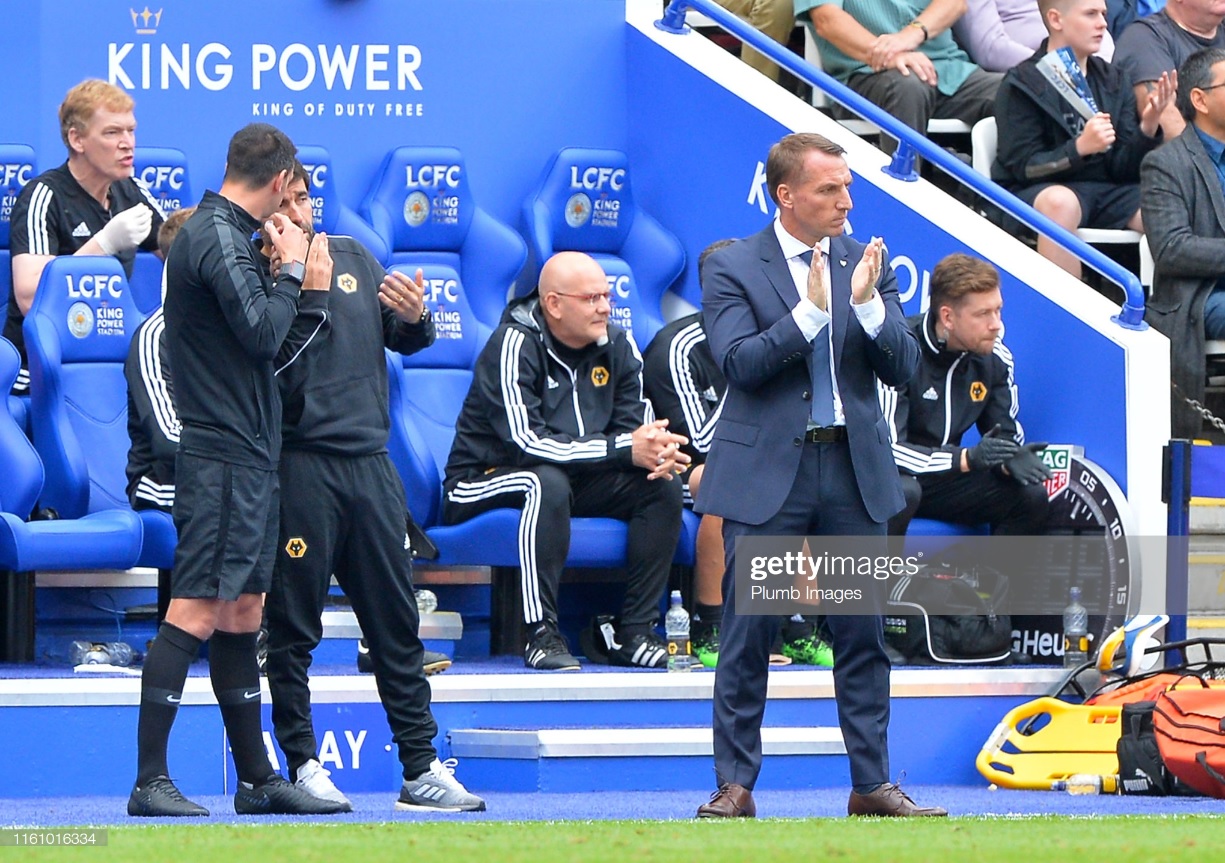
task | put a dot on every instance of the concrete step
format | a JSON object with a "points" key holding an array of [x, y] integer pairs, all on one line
{"points": [[634, 759], [1206, 575]]}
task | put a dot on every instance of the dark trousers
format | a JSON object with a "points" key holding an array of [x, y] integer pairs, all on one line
{"points": [[548, 496], [915, 103], [346, 515], [976, 497], [824, 500]]}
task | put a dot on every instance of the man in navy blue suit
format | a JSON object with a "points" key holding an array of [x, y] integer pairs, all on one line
{"points": [[802, 450]]}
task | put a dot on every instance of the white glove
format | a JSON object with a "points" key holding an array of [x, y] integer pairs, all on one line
{"points": [[126, 230]]}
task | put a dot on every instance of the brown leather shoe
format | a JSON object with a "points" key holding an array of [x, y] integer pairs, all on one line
{"points": [[890, 801], [730, 801]]}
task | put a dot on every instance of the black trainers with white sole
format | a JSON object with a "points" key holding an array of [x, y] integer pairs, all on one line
{"points": [[547, 650], [641, 650], [432, 661]]}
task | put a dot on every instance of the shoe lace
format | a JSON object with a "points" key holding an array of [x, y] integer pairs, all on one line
{"points": [[551, 642], [897, 788], [449, 765], [167, 787]]}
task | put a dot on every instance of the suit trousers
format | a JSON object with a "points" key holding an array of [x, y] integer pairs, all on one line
{"points": [[824, 500], [347, 516]]}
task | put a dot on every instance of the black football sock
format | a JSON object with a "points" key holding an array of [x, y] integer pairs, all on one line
{"points": [[234, 670], [161, 689], [711, 615]]}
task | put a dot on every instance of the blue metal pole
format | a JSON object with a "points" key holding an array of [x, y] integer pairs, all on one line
{"points": [[1176, 494]]}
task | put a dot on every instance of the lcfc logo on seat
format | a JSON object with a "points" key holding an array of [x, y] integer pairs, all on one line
{"points": [[80, 320], [416, 209], [578, 210]]}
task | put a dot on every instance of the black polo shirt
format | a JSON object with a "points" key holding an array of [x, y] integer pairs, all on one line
{"points": [[53, 215]]}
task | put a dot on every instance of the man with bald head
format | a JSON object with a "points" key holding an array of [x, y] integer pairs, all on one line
{"points": [[556, 425]]}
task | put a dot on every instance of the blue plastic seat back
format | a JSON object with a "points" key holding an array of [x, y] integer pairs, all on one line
{"points": [[585, 203], [163, 171], [423, 206], [430, 389], [331, 214], [23, 470], [17, 168], [77, 336]]}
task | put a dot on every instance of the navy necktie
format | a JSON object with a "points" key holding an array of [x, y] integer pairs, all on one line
{"points": [[822, 384]]}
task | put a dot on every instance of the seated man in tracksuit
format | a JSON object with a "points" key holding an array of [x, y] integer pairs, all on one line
{"points": [[556, 424], [153, 421], [964, 378]]}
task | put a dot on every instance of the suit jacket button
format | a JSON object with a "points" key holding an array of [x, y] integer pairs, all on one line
{"points": [[807, 395], [798, 441]]}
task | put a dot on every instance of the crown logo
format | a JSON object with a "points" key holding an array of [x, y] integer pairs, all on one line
{"points": [[146, 22]]}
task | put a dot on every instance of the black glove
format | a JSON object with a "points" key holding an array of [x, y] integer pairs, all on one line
{"points": [[991, 451], [1026, 467]]}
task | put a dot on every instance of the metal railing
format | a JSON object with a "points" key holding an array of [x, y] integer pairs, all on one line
{"points": [[912, 144]]}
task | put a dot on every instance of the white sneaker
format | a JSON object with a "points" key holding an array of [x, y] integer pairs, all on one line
{"points": [[313, 778], [437, 790]]}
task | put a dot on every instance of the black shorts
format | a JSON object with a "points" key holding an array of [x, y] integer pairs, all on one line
{"points": [[1108, 206], [227, 517]]}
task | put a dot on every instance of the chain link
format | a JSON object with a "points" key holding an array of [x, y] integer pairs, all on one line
{"points": [[1207, 415]]}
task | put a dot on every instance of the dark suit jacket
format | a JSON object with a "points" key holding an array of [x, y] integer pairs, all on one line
{"points": [[1184, 219], [747, 298]]}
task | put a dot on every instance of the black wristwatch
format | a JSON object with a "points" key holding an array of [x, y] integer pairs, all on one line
{"points": [[295, 270]]}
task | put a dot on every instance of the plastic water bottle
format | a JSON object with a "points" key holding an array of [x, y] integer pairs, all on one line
{"points": [[1075, 632], [104, 653], [676, 626], [427, 602], [1087, 783]]}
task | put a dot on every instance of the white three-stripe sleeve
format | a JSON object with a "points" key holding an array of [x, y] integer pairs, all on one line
{"points": [[632, 408], [1004, 405], [520, 419], [698, 421], [40, 239], [910, 458], [156, 379]]}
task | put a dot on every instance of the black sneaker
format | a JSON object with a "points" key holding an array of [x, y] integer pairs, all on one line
{"points": [[432, 661], [644, 650], [279, 796], [547, 650], [159, 796]]}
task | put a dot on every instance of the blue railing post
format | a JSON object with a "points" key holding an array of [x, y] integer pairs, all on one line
{"points": [[674, 18], [902, 165], [1176, 495]]}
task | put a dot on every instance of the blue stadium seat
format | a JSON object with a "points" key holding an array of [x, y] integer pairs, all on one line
{"points": [[17, 167], [163, 171], [423, 207], [333, 216], [77, 336], [585, 203]]}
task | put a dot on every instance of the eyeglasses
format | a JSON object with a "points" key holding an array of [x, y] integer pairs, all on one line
{"points": [[1211, 87], [593, 300]]}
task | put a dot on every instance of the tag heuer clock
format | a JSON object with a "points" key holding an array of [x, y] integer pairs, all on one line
{"points": [[1086, 504]]}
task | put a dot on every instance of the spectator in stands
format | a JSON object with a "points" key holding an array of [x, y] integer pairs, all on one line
{"points": [[343, 513], [775, 18], [999, 34], [965, 378], [1182, 187], [556, 424], [90, 205], [224, 326], [1162, 42], [1120, 14], [901, 55], [1077, 172], [153, 422]]}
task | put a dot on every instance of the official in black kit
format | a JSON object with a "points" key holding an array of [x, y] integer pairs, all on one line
{"points": [[90, 205], [343, 512], [225, 325]]}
